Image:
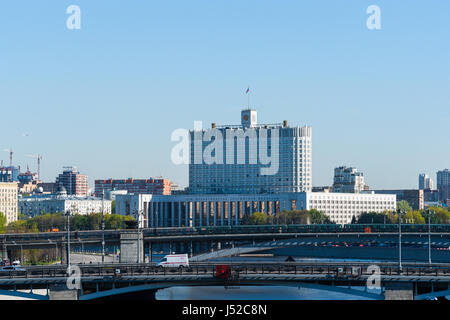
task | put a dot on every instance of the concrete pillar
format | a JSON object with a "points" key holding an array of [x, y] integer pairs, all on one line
{"points": [[201, 214], [237, 213], [398, 291], [187, 213], [215, 213], [60, 292], [258, 206], [129, 247], [194, 214], [251, 208], [222, 212], [208, 212], [230, 210]]}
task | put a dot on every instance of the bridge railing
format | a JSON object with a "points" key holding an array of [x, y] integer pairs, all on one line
{"points": [[118, 271]]}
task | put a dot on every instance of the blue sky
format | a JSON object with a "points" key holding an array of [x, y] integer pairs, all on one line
{"points": [[106, 98]]}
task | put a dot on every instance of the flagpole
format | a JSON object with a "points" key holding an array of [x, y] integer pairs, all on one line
{"points": [[248, 98]]}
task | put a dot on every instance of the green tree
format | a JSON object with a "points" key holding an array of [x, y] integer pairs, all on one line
{"points": [[257, 218], [113, 206], [441, 215], [404, 205], [374, 217], [2, 223], [318, 217]]}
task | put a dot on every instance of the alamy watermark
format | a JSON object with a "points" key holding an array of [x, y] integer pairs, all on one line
{"points": [[211, 147], [374, 20], [74, 277], [374, 280], [74, 20]]}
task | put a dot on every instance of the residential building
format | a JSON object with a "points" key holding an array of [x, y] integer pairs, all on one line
{"points": [[443, 184], [414, 197], [150, 186], [425, 182], [250, 158], [9, 174], [75, 183], [8, 200], [348, 180], [111, 194], [62, 203], [322, 189]]}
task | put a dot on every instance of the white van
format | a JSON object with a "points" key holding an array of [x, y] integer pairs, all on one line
{"points": [[174, 261]]}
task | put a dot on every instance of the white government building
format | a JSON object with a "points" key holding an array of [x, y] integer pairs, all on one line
{"points": [[241, 167], [191, 210], [221, 194]]}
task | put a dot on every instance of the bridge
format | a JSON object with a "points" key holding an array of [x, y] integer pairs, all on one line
{"points": [[204, 239], [414, 281]]}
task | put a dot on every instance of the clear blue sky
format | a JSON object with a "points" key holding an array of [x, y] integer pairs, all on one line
{"points": [[106, 98]]}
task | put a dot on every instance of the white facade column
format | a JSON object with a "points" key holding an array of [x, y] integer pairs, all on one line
{"points": [[187, 214], [236, 213], [158, 213], [208, 212], [179, 213], [230, 209], [215, 213], [166, 214], [172, 209], [150, 207], [200, 216]]}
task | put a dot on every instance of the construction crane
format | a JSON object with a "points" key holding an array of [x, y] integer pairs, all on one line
{"points": [[10, 156], [39, 158]]}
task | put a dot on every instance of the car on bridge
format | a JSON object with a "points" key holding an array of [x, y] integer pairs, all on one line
{"points": [[12, 270], [174, 261]]}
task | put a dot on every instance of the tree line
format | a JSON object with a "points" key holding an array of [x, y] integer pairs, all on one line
{"points": [[439, 215], [312, 216], [57, 221]]}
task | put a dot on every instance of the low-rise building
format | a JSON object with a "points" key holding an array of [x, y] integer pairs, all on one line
{"points": [[348, 180], [148, 186], [229, 209], [414, 197], [40, 204]]}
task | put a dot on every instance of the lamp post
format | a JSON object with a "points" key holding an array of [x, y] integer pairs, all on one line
{"points": [[103, 228], [400, 211], [68, 237], [429, 237]]}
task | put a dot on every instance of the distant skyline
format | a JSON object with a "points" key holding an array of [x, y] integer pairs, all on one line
{"points": [[107, 97]]}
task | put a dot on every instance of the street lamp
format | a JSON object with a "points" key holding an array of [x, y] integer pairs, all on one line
{"points": [[103, 228], [68, 237], [429, 236], [400, 211]]}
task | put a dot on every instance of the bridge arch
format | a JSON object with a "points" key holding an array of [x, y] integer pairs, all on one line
{"points": [[21, 294], [163, 285]]}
